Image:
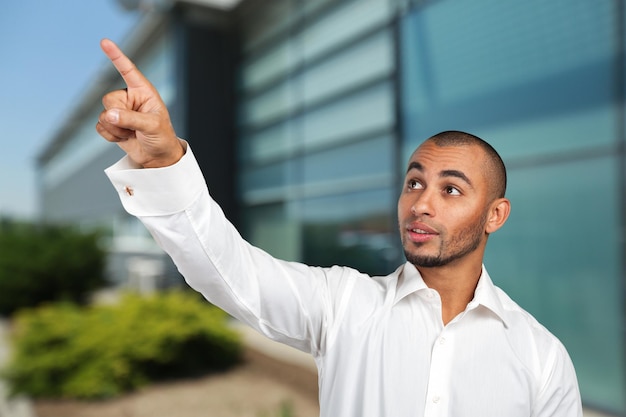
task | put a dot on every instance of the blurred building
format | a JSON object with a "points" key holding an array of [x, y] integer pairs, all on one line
{"points": [[302, 114]]}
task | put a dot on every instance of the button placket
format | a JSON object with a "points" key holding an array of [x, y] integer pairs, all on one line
{"points": [[439, 376]]}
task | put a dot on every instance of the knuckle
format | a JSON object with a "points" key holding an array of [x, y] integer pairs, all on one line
{"points": [[114, 98]]}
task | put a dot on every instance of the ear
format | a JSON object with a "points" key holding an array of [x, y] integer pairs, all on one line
{"points": [[499, 211]]}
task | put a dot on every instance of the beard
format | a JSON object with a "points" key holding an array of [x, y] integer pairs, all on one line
{"points": [[464, 243]]}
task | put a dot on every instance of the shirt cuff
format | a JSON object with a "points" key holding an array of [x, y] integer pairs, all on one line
{"points": [[157, 191]]}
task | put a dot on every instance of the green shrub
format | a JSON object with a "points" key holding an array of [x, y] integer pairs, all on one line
{"points": [[47, 263], [65, 351], [285, 410]]}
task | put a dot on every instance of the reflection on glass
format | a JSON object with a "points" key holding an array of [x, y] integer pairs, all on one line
{"points": [[537, 80], [351, 229], [559, 257], [544, 68]]}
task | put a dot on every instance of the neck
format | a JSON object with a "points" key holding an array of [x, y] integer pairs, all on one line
{"points": [[455, 284]]}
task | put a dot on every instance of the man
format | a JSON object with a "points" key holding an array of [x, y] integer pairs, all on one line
{"points": [[434, 338]]}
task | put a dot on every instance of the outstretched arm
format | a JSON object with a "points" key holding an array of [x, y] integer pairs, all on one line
{"points": [[288, 302], [136, 118]]}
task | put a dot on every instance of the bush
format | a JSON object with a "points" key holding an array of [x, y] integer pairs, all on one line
{"points": [[64, 351], [285, 410], [47, 263]]}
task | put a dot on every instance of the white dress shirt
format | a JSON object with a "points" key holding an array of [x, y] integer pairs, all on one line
{"points": [[379, 342]]}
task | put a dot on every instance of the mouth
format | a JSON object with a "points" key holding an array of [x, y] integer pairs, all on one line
{"points": [[419, 233]]}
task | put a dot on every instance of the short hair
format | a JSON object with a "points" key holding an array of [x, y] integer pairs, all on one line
{"points": [[495, 170]]}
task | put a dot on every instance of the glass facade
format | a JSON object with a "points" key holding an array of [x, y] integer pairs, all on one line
{"points": [[543, 83], [326, 107], [317, 125]]}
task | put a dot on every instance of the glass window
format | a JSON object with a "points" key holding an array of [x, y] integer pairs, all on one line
{"points": [[559, 256], [269, 105], [316, 144], [354, 115], [351, 229], [364, 159], [355, 66], [157, 66], [276, 141], [279, 60], [264, 20], [257, 179], [270, 227], [80, 149], [346, 22], [544, 67], [537, 80]]}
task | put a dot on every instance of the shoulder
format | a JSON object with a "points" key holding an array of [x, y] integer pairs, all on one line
{"points": [[357, 291], [539, 347], [518, 320], [344, 278], [546, 358]]}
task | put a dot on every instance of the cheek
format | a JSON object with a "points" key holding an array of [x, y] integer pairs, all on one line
{"points": [[478, 220], [404, 207], [464, 218]]}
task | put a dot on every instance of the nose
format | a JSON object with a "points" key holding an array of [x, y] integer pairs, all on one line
{"points": [[424, 203]]}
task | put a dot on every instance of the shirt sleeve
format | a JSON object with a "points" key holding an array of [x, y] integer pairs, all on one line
{"points": [[559, 395], [288, 302]]}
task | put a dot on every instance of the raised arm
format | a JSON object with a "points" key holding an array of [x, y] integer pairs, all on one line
{"points": [[136, 117], [286, 301]]}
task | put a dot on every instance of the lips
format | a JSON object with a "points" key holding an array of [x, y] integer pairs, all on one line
{"points": [[419, 232]]}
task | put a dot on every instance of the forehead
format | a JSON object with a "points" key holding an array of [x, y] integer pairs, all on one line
{"points": [[468, 159]]}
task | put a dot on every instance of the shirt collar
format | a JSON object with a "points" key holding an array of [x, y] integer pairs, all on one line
{"points": [[409, 281], [486, 293]]}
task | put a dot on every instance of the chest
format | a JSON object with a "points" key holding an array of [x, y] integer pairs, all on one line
{"points": [[403, 361]]}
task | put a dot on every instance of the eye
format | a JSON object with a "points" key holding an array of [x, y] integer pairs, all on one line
{"points": [[413, 184], [450, 190]]}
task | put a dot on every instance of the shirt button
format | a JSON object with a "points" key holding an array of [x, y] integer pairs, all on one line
{"points": [[442, 340], [129, 190], [436, 399]]}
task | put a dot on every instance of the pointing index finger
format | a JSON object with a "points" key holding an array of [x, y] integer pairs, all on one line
{"points": [[126, 67]]}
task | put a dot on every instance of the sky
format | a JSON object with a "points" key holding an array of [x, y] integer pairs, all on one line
{"points": [[49, 53]]}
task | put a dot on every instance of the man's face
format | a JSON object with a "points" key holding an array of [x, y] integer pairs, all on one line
{"points": [[443, 207]]}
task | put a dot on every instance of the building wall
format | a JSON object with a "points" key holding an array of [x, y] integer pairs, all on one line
{"points": [[84, 195], [317, 131], [205, 72], [334, 96], [543, 83]]}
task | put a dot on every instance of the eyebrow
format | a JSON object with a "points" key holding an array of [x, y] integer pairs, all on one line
{"points": [[445, 173]]}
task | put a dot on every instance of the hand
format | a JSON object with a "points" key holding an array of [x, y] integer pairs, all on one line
{"points": [[136, 118]]}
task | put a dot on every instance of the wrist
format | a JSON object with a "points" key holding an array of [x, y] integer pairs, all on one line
{"points": [[168, 158]]}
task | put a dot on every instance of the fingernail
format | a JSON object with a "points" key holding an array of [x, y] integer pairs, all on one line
{"points": [[113, 116]]}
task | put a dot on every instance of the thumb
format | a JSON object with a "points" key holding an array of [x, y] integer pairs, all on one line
{"points": [[146, 123]]}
